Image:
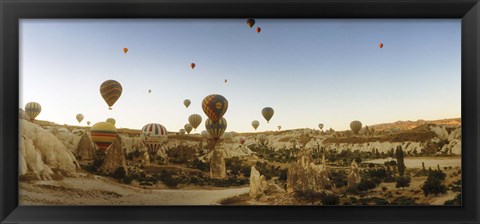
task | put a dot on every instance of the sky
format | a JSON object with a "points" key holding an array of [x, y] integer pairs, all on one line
{"points": [[309, 71]]}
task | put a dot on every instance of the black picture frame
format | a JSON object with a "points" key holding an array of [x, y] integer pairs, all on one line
{"points": [[13, 10]]}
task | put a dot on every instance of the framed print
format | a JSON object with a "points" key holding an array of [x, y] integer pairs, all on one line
{"points": [[239, 111]]}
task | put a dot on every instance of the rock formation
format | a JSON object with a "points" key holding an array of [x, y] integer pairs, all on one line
{"points": [[258, 184], [115, 158], [85, 148], [303, 175], [146, 158], [217, 164], [353, 177]]}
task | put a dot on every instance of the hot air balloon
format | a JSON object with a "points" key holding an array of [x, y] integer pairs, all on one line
{"points": [[356, 126], [79, 117], [88, 122], [241, 140], [33, 109], [320, 126], [204, 134], [214, 107], [267, 113], [262, 138], [181, 131], [149, 91], [259, 29], [188, 128], [279, 127], [103, 134], [111, 90], [227, 136], [125, 50], [186, 102], [225, 81], [250, 22], [192, 65], [195, 120], [255, 124], [216, 129], [153, 137], [111, 120], [380, 45]]}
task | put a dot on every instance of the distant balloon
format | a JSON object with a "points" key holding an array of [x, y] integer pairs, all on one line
{"points": [[125, 50], [267, 113], [192, 65], [259, 29], [153, 137], [205, 134], [149, 91], [186, 102], [250, 22], [214, 106], [88, 122], [320, 126], [380, 45], [356, 126], [79, 117], [255, 124], [111, 120], [33, 109], [241, 140], [188, 128], [103, 134], [227, 136], [111, 91], [262, 138], [216, 129], [279, 127], [195, 120], [225, 81], [181, 131]]}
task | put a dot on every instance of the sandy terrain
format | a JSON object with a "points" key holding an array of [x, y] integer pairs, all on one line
{"points": [[94, 190]]}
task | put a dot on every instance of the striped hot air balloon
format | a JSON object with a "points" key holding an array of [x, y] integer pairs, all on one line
{"points": [[216, 129], [356, 126], [267, 113], [153, 137], [188, 128], [111, 120], [103, 134], [111, 91], [33, 109], [255, 124], [79, 118], [195, 120], [214, 106]]}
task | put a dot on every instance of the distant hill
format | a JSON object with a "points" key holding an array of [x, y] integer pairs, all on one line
{"points": [[407, 125]]}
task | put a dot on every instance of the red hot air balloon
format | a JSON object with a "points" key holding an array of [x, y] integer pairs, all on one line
{"points": [[242, 140], [380, 45], [192, 65], [259, 29], [125, 50]]}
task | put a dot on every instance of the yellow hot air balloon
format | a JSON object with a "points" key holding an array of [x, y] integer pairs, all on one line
{"points": [[188, 128], [79, 118], [255, 124], [267, 113], [103, 134], [214, 106], [33, 109], [111, 120], [186, 102], [111, 91], [195, 120], [356, 126]]}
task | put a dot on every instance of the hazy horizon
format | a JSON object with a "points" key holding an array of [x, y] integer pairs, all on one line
{"points": [[308, 71]]}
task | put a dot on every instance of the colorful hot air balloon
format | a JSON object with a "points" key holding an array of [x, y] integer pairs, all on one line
{"points": [[33, 109], [125, 50], [380, 45], [181, 131], [259, 29], [153, 137], [103, 134], [111, 91], [227, 136], [279, 127], [250, 22], [216, 129], [320, 126], [79, 117], [241, 140], [192, 65], [188, 128], [214, 106], [186, 102], [111, 120], [204, 134], [356, 126], [255, 124], [267, 113], [88, 122], [195, 120]]}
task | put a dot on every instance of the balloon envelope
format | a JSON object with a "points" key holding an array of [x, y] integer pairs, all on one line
{"points": [[214, 106], [267, 113], [380, 45], [103, 134], [111, 120], [205, 134], [125, 50], [320, 126], [356, 126], [88, 122], [255, 124], [33, 109], [242, 140], [216, 129], [186, 102], [111, 91], [181, 131], [79, 117], [153, 137], [188, 128], [192, 65], [259, 29], [195, 120], [250, 22]]}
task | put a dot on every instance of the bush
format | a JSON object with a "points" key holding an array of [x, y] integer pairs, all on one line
{"points": [[403, 181], [366, 184], [339, 178], [403, 200], [119, 173], [330, 199], [199, 165], [127, 179], [437, 174], [433, 186], [384, 188]]}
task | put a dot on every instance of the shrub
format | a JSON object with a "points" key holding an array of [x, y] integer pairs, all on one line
{"points": [[403, 181], [366, 184], [330, 199], [403, 200], [384, 188], [127, 179], [119, 173], [437, 174], [433, 186]]}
